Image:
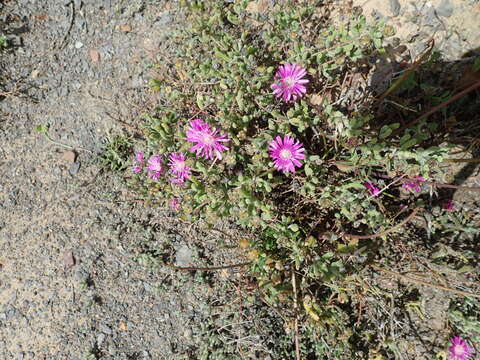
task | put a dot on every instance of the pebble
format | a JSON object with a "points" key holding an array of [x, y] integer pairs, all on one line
{"points": [[78, 45], [445, 8], [187, 333], [395, 7], [184, 256], [100, 339], [74, 168], [105, 329]]}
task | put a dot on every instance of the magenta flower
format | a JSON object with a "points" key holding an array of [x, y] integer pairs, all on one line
{"points": [[414, 184], [289, 82], [179, 168], [139, 162], [208, 142], [459, 350], [372, 189], [175, 203], [155, 167], [449, 205], [286, 153], [139, 157]]}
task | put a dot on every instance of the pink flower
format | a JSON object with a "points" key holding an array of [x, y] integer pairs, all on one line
{"points": [[289, 82], [139, 162], [155, 167], [373, 190], [459, 350], [208, 142], [449, 205], [286, 153], [179, 168], [139, 157], [414, 184], [175, 203]]}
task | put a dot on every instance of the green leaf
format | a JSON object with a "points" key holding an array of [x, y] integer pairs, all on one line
{"points": [[222, 56], [308, 170], [385, 132], [42, 128], [293, 227], [200, 101], [476, 65]]}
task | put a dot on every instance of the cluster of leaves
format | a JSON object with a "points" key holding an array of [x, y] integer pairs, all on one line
{"points": [[3, 41], [114, 156], [465, 317], [222, 69]]}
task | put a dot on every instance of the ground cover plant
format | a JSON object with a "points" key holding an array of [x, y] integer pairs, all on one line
{"points": [[256, 124]]}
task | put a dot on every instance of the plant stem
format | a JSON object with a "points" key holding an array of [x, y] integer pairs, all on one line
{"points": [[438, 107], [213, 268], [473, 160], [65, 145]]}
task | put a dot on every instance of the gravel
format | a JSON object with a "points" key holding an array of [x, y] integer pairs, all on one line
{"points": [[80, 74]]}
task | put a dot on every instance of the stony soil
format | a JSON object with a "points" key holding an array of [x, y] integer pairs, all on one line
{"points": [[453, 24], [71, 285]]}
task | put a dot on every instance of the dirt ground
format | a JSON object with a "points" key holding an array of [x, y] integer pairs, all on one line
{"points": [[71, 283]]}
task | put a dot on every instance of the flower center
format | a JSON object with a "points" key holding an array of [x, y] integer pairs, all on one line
{"points": [[458, 350], [289, 81], [208, 139], [180, 165], [156, 167], [286, 154]]}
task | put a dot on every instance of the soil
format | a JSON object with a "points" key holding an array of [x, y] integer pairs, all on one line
{"points": [[453, 24], [71, 283], [73, 240]]}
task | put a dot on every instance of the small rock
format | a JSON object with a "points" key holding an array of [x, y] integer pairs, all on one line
{"points": [[94, 55], [74, 168], [20, 356], [126, 28], [68, 259], [40, 17], [100, 339], [187, 333], [12, 313], [105, 329], [394, 7], [184, 256], [34, 74], [148, 287], [78, 45], [429, 17], [70, 156], [445, 8]]}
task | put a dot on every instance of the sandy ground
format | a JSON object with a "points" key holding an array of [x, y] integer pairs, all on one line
{"points": [[70, 282]]}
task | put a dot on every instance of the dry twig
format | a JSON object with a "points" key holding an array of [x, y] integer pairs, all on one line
{"points": [[213, 268], [421, 282], [295, 306]]}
